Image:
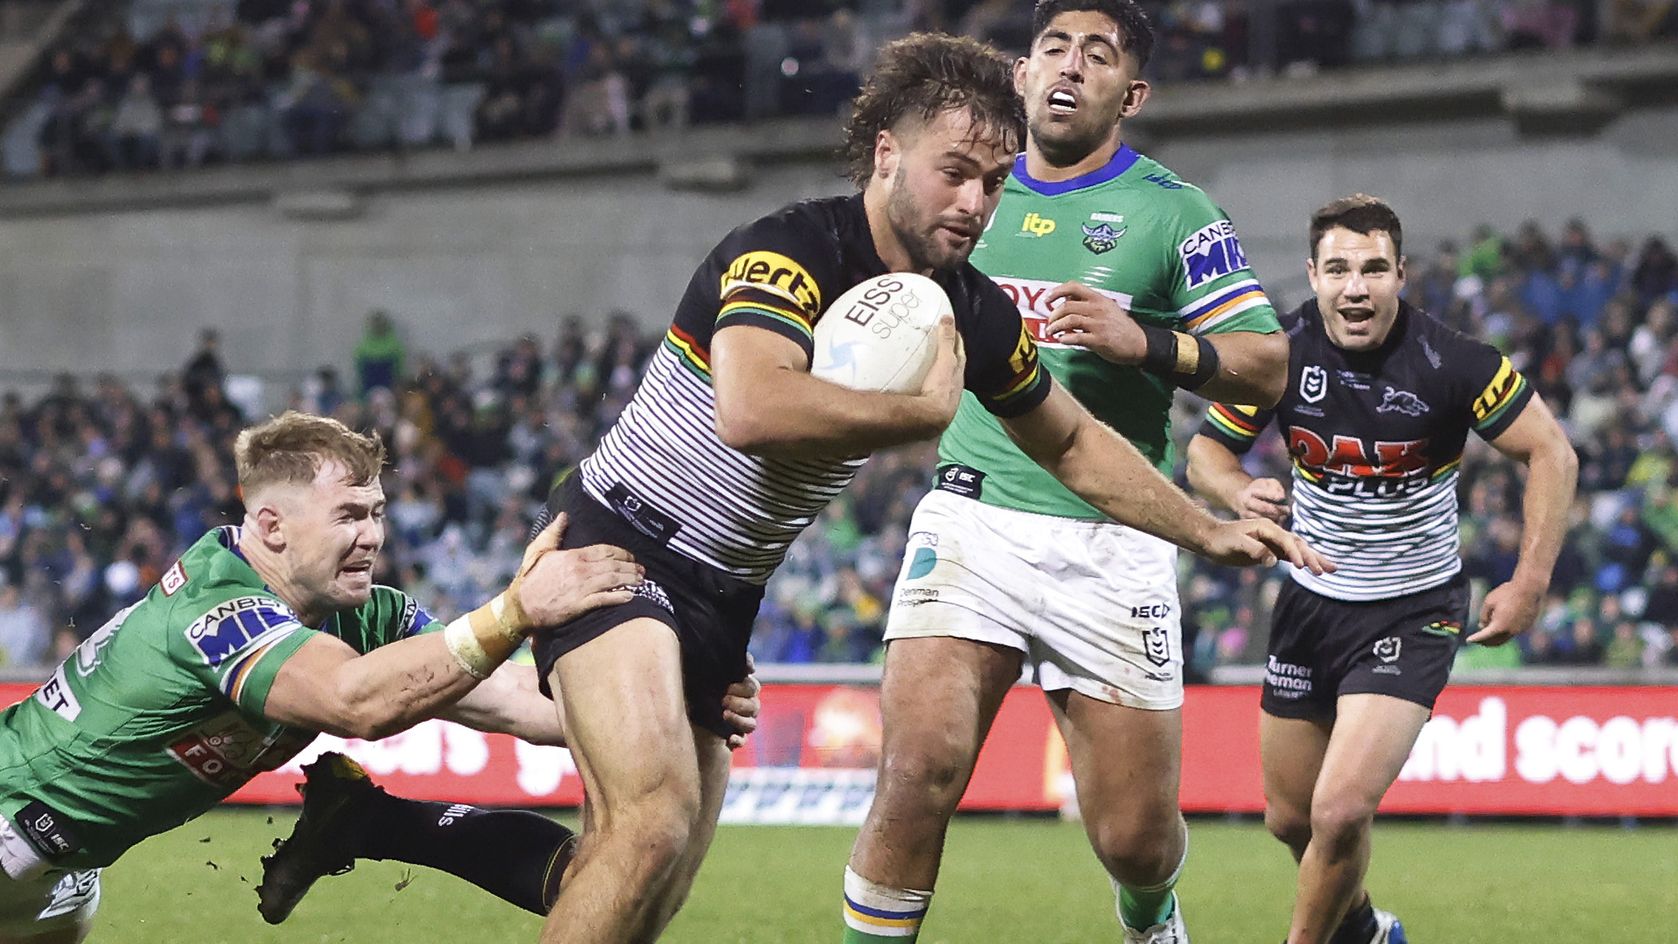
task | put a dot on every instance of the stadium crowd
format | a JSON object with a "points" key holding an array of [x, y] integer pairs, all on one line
{"points": [[178, 83], [102, 485]]}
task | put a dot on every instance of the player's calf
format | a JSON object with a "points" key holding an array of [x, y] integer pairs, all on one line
{"points": [[515, 855]]}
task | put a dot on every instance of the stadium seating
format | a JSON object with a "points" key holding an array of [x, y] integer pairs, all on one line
{"points": [[265, 80]]}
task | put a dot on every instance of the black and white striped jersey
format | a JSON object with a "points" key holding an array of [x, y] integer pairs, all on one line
{"points": [[662, 466], [1376, 439]]}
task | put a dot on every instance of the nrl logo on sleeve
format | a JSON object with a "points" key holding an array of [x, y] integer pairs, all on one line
{"points": [[1313, 383], [1212, 252]]}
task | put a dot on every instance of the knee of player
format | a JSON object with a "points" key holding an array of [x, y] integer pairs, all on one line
{"points": [[657, 829], [1137, 852], [1340, 820], [922, 778], [1288, 823]]}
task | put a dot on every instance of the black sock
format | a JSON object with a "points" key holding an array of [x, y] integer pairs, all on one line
{"points": [[1358, 926], [516, 855]]}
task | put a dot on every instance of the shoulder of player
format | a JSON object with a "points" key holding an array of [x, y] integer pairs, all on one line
{"points": [[391, 608], [976, 290], [1296, 324], [214, 622], [1168, 193], [1442, 343], [828, 218]]}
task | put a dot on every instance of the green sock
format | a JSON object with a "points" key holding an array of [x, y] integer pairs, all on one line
{"points": [[875, 913], [1140, 910]]}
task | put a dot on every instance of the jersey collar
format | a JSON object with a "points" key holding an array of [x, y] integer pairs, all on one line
{"points": [[1121, 161], [228, 535]]}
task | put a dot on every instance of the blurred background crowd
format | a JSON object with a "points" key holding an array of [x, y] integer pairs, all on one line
{"points": [[180, 83], [103, 483]]}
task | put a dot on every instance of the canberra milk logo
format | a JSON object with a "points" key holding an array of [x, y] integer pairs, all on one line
{"points": [[1313, 383], [1212, 252]]}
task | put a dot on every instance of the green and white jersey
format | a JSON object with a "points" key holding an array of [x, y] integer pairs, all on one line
{"points": [[1156, 245], [158, 716]]}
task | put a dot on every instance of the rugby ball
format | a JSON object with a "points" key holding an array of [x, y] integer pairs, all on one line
{"points": [[879, 335]]}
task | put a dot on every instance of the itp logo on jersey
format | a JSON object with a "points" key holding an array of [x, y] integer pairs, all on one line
{"points": [[1212, 252]]}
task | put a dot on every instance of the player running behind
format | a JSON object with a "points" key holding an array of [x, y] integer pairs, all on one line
{"points": [[1379, 402], [257, 638], [730, 448], [1134, 284]]}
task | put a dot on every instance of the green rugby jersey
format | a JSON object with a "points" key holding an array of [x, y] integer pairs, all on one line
{"points": [[1156, 245], [157, 717]]}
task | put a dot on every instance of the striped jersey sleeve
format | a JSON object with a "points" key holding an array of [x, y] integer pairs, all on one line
{"points": [[1213, 289], [1497, 404], [238, 645], [773, 280], [1235, 426], [1004, 368]]}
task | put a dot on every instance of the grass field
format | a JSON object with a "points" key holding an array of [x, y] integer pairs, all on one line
{"points": [[1026, 880]]}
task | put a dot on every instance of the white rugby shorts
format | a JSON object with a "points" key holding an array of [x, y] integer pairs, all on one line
{"points": [[44, 899], [1092, 604]]}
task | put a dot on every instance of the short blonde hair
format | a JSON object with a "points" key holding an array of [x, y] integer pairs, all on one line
{"points": [[291, 448]]}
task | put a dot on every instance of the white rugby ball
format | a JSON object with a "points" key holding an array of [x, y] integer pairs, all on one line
{"points": [[879, 335]]}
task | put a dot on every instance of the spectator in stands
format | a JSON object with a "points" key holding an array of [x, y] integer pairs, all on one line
{"points": [[379, 355], [1656, 274], [1639, 21], [25, 635], [204, 369]]}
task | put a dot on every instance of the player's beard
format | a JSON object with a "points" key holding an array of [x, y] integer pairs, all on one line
{"points": [[917, 230], [1063, 145]]}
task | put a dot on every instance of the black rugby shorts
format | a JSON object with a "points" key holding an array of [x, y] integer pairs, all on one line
{"points": [[1322, 648], [710, 612]]}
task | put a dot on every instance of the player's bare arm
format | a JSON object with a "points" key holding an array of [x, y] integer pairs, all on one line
{"points": [[509, 702], [1245, 366], [1537, 441], [327, 686], [768, 403], [1104, 469], [1215, 472]]}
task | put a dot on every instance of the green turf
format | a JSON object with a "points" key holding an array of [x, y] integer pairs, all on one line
{"points": [[1027, 880]]}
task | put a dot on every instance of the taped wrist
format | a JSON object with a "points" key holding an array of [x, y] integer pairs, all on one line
{"points": [[485, 637], [1184, 359]]}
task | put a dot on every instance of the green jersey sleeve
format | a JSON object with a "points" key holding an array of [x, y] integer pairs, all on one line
{"points": [[238, 645], [1213, 288]]}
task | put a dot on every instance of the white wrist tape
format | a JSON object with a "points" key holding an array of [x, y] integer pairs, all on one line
{"points": [[464, 645]]}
